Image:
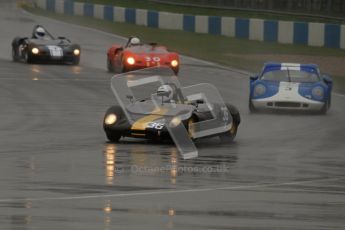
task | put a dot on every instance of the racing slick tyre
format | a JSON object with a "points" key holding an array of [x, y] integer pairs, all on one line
{"points": [[176, 70], [113, 137], [190, 126], [230, 135], [27, 57], [14, 55], [122, 68], [76, 61], [252, 109], [325, 108], [109, 66]]}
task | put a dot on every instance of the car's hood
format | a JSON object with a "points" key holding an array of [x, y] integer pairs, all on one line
{"points": [[56, 42], [145, 49]]}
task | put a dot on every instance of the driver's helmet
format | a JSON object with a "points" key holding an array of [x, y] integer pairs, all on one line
{"points": [[40, 33], [167, 91], [134, 41]]}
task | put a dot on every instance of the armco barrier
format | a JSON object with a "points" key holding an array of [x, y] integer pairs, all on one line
{"points": [[285, 32]]}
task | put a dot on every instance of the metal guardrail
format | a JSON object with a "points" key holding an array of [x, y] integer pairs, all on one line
{"points": [[326, 9]]}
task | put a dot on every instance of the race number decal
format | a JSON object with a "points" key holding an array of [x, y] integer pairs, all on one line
{"points": [[154, 125], [155, 59], [55, 51]]}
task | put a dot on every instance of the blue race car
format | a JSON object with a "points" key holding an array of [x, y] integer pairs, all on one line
{"points": [[290, 86]]}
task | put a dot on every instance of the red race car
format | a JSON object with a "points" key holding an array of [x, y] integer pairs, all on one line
{"points": [[136, 55]]}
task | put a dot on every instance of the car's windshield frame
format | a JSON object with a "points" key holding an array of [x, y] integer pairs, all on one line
{"points": [[292, 75]]}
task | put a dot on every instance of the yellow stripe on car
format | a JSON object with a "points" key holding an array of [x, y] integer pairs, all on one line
{"points": [[142, 123]]}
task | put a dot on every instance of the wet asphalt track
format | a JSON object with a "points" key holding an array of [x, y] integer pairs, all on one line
{"points": [[58, 172]]}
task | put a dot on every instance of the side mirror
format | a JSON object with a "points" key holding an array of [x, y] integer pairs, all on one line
{"points": [[254, 78], [327, 79]]}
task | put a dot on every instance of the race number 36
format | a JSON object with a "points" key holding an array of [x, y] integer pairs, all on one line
{"points": [[154, 125]]}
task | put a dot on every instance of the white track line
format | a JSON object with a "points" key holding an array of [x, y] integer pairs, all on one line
{"points": [[167, 192], [242, 72]]}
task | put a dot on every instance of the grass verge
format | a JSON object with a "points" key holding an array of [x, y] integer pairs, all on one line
{"points": [[238, 53]]}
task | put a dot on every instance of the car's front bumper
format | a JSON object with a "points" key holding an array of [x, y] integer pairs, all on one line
{"points": [[142, 66], [148, 133], [66, 58], [305, 105]]}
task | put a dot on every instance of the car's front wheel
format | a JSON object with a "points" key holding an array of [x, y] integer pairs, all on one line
{"points": [[112, 116], [76, 61], [325, 107], [113, 137], [27, 57], [110, 66], [252, 109], [14, 55], [122, 67]]}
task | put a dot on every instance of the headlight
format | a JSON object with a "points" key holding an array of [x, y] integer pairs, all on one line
{"points": [[130, 61], [174, 63], [110, 119], [35, 50], [317, 92], [76, 52], [259, 90], [175, 122]]}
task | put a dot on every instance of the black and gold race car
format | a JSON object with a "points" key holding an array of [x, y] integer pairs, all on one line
{"points": [[43, 47], [153, 105]]}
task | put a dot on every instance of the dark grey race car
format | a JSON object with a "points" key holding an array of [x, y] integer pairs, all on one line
{"points": [[43, 47], [146, 111]]}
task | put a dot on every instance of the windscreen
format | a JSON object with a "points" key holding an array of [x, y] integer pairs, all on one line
{"points": [[142, 49], [288, 75]]}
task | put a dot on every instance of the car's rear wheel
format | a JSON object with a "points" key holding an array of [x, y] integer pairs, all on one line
{"points": [[191, 126], [230, 135]]}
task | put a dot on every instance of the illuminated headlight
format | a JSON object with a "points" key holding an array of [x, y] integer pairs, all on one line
{"points": [[35, 50], [130, 61], [76, 52], [175, 122], [317, 92], [110, 119], [259, 90], [174, 63]]}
